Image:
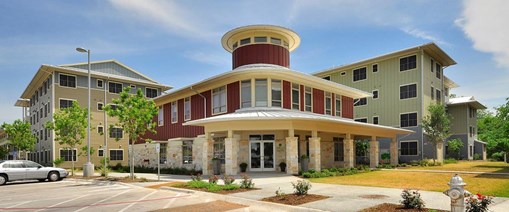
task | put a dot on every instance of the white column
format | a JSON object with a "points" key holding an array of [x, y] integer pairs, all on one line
{"points": [[373, 152], [394, 151], [349, 151]]}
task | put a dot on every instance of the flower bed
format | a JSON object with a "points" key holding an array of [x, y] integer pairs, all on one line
{"points": [[229, 186]]}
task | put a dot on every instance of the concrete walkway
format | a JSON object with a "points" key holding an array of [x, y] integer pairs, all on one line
{"points": [[342, 197]]}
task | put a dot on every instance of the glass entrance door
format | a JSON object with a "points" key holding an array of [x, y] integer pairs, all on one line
{"points": [[261, 153]]}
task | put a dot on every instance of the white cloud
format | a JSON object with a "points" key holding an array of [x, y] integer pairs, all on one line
{"points": [[423, 35], [485, 23]]}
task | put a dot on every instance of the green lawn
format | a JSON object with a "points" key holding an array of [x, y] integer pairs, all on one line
{"points": [[475, 166], [496, 185]]}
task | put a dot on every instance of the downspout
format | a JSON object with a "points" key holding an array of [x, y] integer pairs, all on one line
{"points": [[422, 101], [204, 102]]}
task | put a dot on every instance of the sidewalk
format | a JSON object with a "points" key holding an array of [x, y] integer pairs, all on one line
{"points": [[342, 197]]}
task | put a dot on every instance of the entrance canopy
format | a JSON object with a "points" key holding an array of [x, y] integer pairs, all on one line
{"points": [[261, 118]]}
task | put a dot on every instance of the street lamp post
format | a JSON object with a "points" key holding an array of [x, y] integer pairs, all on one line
{"points": [[88, 168]]}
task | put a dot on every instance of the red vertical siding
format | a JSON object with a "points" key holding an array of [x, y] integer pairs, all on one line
{"points": [[287, 95], [233, 97], [301, 97], [261, 53], [347, 107], [318, 101]]}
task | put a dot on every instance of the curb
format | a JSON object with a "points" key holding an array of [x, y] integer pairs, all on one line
{"points": [[253, 204]]}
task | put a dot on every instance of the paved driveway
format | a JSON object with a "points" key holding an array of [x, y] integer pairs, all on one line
{"points": [[72, 195]]}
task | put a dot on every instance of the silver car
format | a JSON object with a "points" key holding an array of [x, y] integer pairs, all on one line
{"points": [[13, 170]]}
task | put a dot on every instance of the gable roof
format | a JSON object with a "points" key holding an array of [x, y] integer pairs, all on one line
{"points": [[470, 100], [111, 67], [431, 48]]}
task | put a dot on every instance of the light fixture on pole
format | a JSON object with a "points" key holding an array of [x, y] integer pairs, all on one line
{"points": [[88, 168]]}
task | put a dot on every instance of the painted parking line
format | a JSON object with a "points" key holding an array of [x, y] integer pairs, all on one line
{"points": [[111, 197], [134, 203], [171, 201], [21, 203], [49, 207]]}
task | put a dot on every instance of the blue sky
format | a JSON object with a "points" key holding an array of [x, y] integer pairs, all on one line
{"points": [[178, 42]]}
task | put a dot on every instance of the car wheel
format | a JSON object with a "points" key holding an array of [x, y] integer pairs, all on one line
{"points": [[3, 179], [53, 176], [42, 180]]}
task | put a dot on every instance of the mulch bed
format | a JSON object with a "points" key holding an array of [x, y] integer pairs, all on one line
{"points": [[395, 207], [294, 199]]}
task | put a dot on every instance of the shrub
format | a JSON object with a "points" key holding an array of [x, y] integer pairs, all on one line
{"points": [[58, 161], [214, 187], [227, 179], [478, 203], [412, 199], [424, 162], [213, 179], [230, 187], [280, 194], [386, 156], [197, 184], [196, 177], [301, 187], [450, 161], [246, 182], [104, 171], [477, 156]]}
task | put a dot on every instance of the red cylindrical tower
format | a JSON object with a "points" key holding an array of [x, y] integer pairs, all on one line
{"points": [[260, 44]]}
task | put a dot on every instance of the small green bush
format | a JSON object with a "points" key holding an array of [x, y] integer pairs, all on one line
{"points": [[301, 187], [214, 188], [246, 182], [230, 187], [58, 161], [412, 199], [227, 179], [197, 184], [213, 179], [477, 156], [450, 161]]}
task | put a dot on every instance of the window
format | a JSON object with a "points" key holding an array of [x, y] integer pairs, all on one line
{"points": [[408, 91], [326, 78], [432, 65], [328, 103], [116, 133], [260, 39], [338, 105], [40, 91], [407, 63], [114, 87], [295, 96], [245, 41], [343, 73], [133, 87], [100, 106], [45, 110], [363, 120], [65, 103], [67, 81], [439, 96], [375, 119], [41, 113], [308, 99], [160, 116], [261, 93], [219, 150], [359, 74], [100, 83], [408, 148], [187, 152], [338, 149], [45, 88], [187, 108], [408, 120], [439, 71], [68, 155], [219, 100], [245, 91], [275, 41], [432, 93], [163, 153], [360, 102], [100, 129], [150, 93], [375, 68], [375, 94], [174, 112], [116, 154], [113, 106], [100, 152], [472, 112], [276, 93]]}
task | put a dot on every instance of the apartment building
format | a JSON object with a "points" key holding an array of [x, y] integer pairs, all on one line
{"points": [[54, 87], [403, 83], [261, 113]]}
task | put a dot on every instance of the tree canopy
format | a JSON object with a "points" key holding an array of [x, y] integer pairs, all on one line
{"points": [[135, 115], [20, 135], [493, 128], [70, 126]]}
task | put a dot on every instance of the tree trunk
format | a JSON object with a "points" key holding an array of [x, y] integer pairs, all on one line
{"points": [[132, 159], [72, 160]]}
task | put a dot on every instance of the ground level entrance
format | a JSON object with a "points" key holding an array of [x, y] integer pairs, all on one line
{"points": [[261, 153]]}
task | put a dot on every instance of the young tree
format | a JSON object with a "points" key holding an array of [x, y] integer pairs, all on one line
{"points": [[455, 146], [436, 126], [70, 126], [135, 115], [20, 136]]}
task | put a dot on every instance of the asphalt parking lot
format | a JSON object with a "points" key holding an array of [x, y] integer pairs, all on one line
{"points": [[79, 195]]}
